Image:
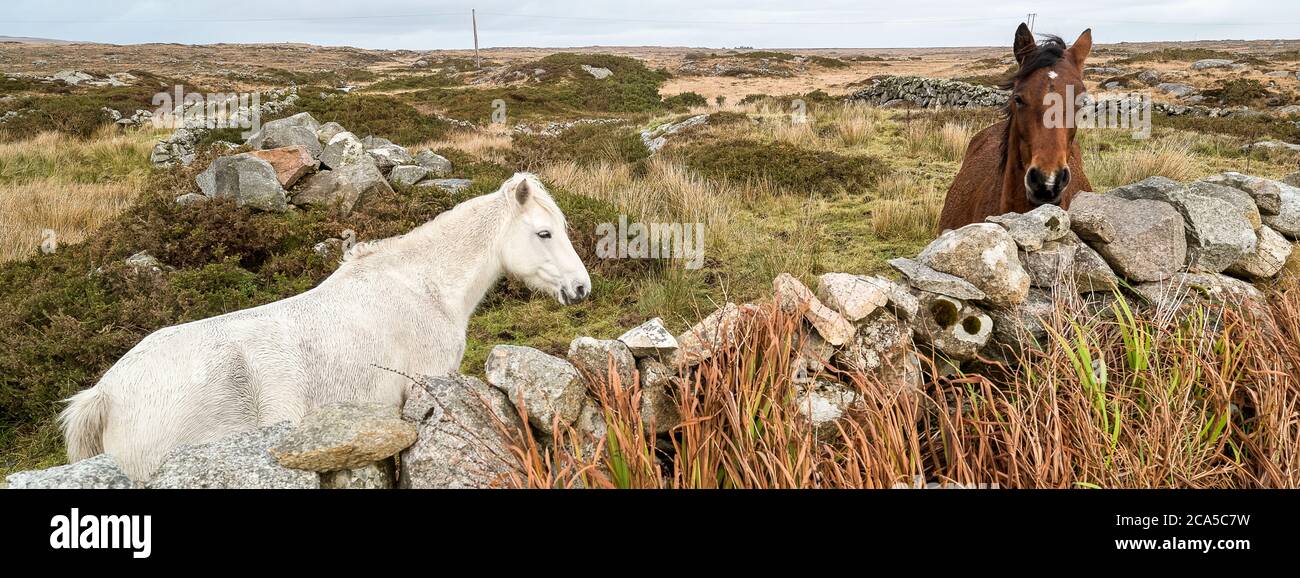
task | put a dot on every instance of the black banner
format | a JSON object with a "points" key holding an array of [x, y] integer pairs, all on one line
{"points": [[302, 528]]}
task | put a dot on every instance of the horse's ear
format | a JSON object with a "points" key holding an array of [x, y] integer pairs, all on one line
{"points": [[521, 192], [1079, 50], [1025, 45]]}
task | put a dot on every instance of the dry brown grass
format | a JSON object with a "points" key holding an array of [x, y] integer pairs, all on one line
{"points": [[489, 144], [908, 208], [1106, 403], [1173, 159], [667, 190], [946, 142], [65, 185]]}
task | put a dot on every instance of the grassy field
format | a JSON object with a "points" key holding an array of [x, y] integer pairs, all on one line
{"points": [[849, 189]]}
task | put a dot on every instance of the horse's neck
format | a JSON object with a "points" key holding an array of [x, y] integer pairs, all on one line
{"points": [[453, 260]]}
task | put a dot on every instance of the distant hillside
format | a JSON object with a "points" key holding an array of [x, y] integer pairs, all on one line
{"points": [[26, 40]]}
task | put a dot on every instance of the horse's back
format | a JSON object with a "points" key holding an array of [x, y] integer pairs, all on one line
{"points": [[193, 383], [976, 191]]}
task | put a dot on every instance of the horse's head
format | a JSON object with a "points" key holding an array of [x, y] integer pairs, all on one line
{"points": [[1040, 115], [535, 246]]}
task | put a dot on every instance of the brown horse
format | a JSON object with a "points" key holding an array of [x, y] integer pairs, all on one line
{"points": [[1028, 159]]}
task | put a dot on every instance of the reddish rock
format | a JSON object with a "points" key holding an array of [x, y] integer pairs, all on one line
{"points": [[290, 163]]}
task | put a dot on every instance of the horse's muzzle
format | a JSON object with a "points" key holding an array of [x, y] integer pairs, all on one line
{"points": [[1043, 188], [579, 293]]}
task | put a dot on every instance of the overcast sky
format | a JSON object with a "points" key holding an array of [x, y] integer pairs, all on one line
{"points": [[416, 24]]}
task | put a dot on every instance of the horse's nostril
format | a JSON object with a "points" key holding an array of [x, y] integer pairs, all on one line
{"points": [[581, 290]]}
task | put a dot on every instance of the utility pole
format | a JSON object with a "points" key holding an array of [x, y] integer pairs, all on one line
{"points": [[473, 15], [1030, 20]]}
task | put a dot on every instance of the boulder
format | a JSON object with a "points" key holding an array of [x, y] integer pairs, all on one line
{"points": [[597, 72], [1271, 252], [1219, 232], [823, 403], [250, 181], [592, 357], [1177, 89], [650, 339], [1069, 262], [449, 185], [438, 165], [793, 297], [290, 163], [343, 187], [345, 436], [1091, 272], [100, 472], [853, 296], [812, 356], [344, 149], [374, 142], [460, 443], [929, 280], [901, 301], [1030, 230], [1207, 63], [1149, 77], [954, 328], [242, 460], [192, 199], [207, 180], [715, 331], [659, 410], [1287, 219], [328, 131], [299, 129], [390, 155], [1023, 327], [377, 476], [1171, 293], [1266, 194], [1052, 265], [1142, 240], [882, 350], [407, 175], [549, 388], [983, 254]]}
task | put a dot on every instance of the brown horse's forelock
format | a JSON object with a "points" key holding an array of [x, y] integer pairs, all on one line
{"points": [[1048, 52]]}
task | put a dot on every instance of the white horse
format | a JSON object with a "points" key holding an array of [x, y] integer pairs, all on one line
{"points": [[402, 303]]}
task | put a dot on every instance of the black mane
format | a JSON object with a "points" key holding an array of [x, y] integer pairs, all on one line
{"points": [[1048, 52]]}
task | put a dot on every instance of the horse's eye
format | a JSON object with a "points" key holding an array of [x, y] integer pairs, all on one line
{"points": [[1019, 101], [544, 234]]}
